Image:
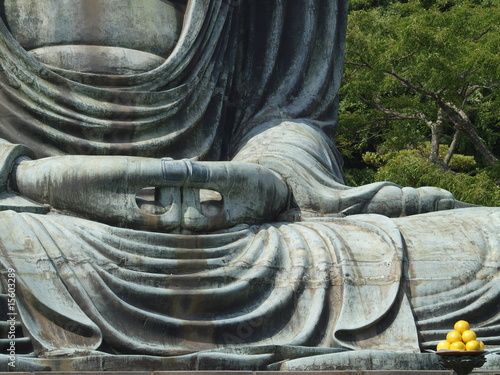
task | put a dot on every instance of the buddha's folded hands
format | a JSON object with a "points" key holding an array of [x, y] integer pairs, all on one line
{"points": [[196, 196]]}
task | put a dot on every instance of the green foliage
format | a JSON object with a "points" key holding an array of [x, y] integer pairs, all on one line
{"points": [[373, 158], [359, 177], [449, 53], [411, 168], [462, 163], [459, 162], [401, 56]]}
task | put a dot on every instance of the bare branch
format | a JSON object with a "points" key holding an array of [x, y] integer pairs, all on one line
{"points": [[363, 61], [463, 90], [436, 129], [383, 119], [473, 88], [462, 123], [347, 75], [410, 85], [394, 115], [364, 65], [483, 33], [453, 147], [441, 92], [405, 57]]}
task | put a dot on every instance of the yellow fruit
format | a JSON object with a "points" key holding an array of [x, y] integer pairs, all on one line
{"points": [[443, 345], [453, 336], [468, 336], [461, 326], [457, 345], [481, 345], [472, 345]]}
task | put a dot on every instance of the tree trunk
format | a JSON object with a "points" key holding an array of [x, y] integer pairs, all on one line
{"points": [[462, 123], [458, 117], [453, 147], [436, 128]]}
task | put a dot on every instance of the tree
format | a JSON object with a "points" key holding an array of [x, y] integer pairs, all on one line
{"points": [[422, 70]]}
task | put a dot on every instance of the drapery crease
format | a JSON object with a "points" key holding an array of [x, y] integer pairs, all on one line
{"points": [[267, 285], [249, 80]]}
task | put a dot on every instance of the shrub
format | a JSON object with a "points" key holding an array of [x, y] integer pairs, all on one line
{"points": [[411, 168]]}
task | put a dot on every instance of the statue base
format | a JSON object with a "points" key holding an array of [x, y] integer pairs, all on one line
{"points": [[363, 362]]}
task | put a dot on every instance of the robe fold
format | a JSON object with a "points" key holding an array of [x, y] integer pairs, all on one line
{"points": [[81, 282], [254, 81]]}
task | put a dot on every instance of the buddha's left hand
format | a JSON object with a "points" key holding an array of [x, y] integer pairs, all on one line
{"points": [[104, 188]]}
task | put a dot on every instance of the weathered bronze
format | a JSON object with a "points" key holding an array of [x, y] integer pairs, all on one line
{"points": [[172, 198]]}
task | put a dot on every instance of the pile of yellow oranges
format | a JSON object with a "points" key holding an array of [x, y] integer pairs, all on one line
{"points": [[461, 338]]}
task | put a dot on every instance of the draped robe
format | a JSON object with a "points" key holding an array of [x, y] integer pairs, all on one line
{"points": [[253, 81]]}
